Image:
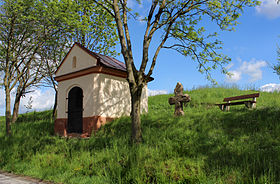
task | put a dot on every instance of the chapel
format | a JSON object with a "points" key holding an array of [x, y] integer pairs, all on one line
{"points": [[92, 90]]}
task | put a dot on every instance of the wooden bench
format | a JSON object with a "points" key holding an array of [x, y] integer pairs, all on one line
{"points": [[248, 103]]}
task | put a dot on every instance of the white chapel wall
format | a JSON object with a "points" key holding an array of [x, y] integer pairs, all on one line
{"points": [[144, 100], [83, 61], [112, 96], [104, 95], [86, 84]]}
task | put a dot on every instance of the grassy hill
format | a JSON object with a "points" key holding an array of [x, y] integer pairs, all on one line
{"points": [[204, 146], [2, 119]]}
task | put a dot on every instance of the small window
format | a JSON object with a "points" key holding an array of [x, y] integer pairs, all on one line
{"points": [[74, 62]]}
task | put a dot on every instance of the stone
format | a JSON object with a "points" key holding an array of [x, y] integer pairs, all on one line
{"points": [[179, 99]]}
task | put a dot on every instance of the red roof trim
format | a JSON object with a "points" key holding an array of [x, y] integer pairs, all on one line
{"points": [[90, 70]]}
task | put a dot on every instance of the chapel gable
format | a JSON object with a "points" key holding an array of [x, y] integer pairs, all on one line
{"points": [[77, 59]]}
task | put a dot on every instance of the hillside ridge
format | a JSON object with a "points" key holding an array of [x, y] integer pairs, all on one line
{"points": [[206, 145]]}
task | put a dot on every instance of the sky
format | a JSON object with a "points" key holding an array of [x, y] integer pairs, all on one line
{"points": [[252, 48]]}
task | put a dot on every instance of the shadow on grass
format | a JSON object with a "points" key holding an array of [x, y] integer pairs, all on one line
{"points": [[247, 141]]}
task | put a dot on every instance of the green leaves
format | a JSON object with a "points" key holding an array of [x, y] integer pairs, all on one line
{"points": [[189, 36], [276, 67], [93, 27]]}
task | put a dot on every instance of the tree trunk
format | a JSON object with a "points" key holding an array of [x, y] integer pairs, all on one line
{"points": [[16, 107], [55, 105], [8, 112], [15, 111], [136, 135]]}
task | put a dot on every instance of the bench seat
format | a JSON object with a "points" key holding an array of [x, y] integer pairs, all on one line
{"points": [[237, 103], [248, 103]]}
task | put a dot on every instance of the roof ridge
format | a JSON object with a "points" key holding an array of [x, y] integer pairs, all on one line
{"points": [[115, 63]]}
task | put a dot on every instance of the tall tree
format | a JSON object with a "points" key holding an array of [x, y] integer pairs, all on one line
{"points": [[179, 25], [30, 77], [18, 45], [52, 55], [25, 28], [92, 27]]}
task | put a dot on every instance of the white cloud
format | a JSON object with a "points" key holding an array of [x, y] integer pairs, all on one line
{"points": [[42, 100], [271, 87], [234, 76], [156, 92], [269, 8], [253, 69]]}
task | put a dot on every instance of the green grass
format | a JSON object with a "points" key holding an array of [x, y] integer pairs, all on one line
{"points": [[2, 119], [204, 146]]}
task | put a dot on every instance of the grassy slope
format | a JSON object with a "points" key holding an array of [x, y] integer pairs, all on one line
{"points": [[204, 146]]}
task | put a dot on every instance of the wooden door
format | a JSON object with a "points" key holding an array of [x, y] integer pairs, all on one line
{"points": [[75, 110]]}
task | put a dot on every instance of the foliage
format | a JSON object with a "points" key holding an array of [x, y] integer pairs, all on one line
{"points": [[276, 67], [96, 29], [179, 25], [20, 40], [35, 36], [204, 146]]}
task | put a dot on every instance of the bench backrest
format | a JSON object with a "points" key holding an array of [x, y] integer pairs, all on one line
{"points": [[242, 97]]}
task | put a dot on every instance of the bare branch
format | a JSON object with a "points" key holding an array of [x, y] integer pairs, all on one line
{"points": [[149, 33]]}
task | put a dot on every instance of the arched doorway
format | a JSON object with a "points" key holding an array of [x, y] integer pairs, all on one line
{"points": [[75, 110]]}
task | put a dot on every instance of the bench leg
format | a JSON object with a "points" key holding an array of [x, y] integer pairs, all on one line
{"points": [[222, 107], [247, 104], [250, 105], [227, 107]]}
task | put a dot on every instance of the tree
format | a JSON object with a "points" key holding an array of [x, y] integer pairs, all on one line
{"points": [[96, 30], [30, 77], [179, 25], [92, 27], [25, 28], [18, 45], [52, 55]]}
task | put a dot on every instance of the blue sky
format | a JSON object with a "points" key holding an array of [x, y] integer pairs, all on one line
{"points": [[252, 48]]}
